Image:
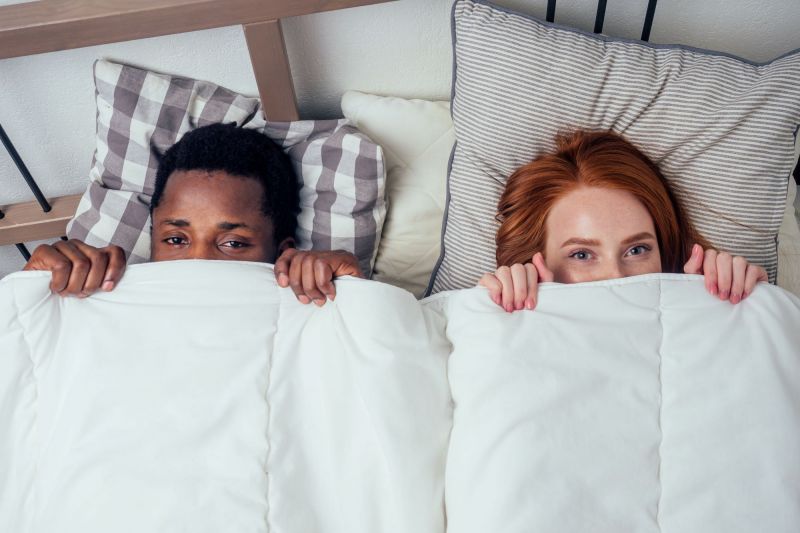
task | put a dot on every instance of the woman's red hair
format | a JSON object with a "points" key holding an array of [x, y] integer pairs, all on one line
{"points": [[589, 159]]}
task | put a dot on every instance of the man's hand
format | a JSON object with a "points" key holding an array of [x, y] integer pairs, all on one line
{"points": [[79, 269], [311, 274], [728, 277]]}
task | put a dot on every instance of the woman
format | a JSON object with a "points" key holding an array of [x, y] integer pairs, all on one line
{"points": [[595, 209]]}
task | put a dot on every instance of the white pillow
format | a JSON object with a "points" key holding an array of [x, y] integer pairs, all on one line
{"points": [[417, 137]]}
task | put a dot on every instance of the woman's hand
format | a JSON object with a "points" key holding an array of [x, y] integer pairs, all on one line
{"points": [[516, 287], [77, 268], [729, 277], [311, 274]]}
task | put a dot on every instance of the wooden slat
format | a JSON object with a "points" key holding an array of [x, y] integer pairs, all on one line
{"points": [[50, 25], [272, 71], [26, 222]]}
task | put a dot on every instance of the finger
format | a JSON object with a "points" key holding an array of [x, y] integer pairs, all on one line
{"points": [[739, 278], [80, 266], [46, 257], [310, 288], [532, 276], [115, 269], [520, 280], [545, 274], [346, 264], [324, 276], [282, 266], [753, 276], [710, 271], [695, 263], [507, 293], [296, 277], [724, 274], [491, 282], [98, 260]]}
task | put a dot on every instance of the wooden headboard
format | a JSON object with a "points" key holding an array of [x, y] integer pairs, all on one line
{"points": [[51, 25]]}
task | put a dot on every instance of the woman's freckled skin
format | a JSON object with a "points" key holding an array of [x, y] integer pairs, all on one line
{"points": [[597, 233]]}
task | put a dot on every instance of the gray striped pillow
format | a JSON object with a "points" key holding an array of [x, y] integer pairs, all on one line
{"points": [[341, 171], [721, 129]]}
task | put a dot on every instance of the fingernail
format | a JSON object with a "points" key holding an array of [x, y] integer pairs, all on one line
{"points": [[714, 290], [283, 279], [319, 303], [508, 308], [108, 285], [496, 300], [723, 295], [735, 298], [529, 305], [304, 299]]}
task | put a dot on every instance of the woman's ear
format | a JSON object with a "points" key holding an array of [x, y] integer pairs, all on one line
{"points": [[285, 244]]}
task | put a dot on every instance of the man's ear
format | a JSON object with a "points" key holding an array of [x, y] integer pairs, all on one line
{"points": [[285, 244]]}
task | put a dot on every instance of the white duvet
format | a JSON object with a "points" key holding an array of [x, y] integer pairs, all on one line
{"points": [[198, 396]]}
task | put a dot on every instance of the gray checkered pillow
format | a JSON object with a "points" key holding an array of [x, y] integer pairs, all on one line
{"points": [[722, 130], [341, 170]]}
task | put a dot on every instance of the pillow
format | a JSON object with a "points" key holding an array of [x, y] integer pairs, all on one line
{"points": [[341, 170], [720, 128], [417, 138]]}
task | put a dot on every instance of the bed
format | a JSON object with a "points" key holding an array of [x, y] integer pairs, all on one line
{"points": [[635, 404]]}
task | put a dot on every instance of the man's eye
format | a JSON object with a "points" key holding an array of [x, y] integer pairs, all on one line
{"points": [[580, 255], [235, 244], [175, 241]]}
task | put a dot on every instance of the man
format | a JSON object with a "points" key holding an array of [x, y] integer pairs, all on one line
{"points": [[222, 193]]}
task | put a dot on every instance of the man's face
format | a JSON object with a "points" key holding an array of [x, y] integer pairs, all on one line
{"points": [[211, 215]]}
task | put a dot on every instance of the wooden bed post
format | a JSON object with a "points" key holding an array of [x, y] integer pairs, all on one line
{"points": [[272, 71]]}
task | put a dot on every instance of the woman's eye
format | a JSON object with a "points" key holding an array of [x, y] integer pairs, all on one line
{"points": [[580, 255], [175, 241], [638, 250]]}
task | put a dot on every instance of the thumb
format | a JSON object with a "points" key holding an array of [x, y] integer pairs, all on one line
{"points": [[347, 265], [695, 263], [544, 273]]}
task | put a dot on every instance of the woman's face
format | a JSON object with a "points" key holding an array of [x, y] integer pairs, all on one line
{"points": [[595, 234], [211, 215]]}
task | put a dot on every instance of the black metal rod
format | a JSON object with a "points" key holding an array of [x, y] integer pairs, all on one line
{"points": [[601, 16], [551, 10], [648, 19], [24, 170], [796, 173], [23, 250]]}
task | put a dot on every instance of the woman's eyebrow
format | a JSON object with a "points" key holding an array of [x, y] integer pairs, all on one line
{"points": [[581, 242], [639, 237]]}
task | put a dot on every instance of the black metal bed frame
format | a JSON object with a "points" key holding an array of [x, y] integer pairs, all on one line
{"points": [[550, 17]]}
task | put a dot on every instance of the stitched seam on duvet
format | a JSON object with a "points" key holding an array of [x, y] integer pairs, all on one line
{"points": [[29, 345], [660, 400], [268, 405]]}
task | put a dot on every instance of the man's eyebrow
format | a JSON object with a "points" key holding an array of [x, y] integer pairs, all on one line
{"points": [[176, 222], [639, 237], [582, 242], [227, 226]]}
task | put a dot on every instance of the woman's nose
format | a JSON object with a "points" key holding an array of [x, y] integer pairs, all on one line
{"points": [[610, 270]]}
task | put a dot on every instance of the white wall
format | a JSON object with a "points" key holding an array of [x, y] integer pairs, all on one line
{"points": [[401, 48]]}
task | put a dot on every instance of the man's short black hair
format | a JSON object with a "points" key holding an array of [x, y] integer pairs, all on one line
{"points": [[239, 152]]}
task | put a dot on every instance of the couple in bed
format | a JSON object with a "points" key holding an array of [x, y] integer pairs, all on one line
{"points": [[596, 208]]}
